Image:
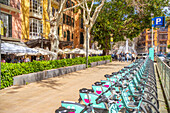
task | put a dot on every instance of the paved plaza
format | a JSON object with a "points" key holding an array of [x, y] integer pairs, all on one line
{"points": [[45, 96]]}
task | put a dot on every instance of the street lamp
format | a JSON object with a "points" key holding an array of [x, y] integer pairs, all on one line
{"points": [[0, 46], [111, 42]]}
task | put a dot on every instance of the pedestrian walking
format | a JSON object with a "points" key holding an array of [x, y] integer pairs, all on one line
{"points": [[120, 57], [123, 57], [127, 56], [133, 57]]}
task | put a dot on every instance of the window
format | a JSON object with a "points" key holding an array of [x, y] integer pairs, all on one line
{"points": [[64, 18], [54, 11], [73, 4], [68, 3], [70, 21], [6, 2], [68, 35], [6, 24], [67, 17], [81, 38], [81, 22], [64, 34], [36, 6], [36, 27], [72, 36], [58, 30]]}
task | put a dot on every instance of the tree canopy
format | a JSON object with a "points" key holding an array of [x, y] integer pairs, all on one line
{"points": [[125, 18]]}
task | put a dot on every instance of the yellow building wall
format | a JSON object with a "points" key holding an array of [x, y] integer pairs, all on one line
{"points": [[155, 37], [146, 42], [25, 5], [46, 23], [168, 42]]}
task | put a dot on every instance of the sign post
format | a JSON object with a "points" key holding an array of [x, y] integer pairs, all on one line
{"points": [[111, 43], [156, 22]]}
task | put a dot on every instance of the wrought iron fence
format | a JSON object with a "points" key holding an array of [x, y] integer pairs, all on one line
{"points": [[164, 74]]}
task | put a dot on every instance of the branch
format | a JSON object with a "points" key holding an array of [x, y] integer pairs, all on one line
{"points": [[81, 5], [92, 5], [72, 7], [97, 10]]}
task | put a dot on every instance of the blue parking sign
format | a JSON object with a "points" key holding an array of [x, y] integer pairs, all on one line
{"points": [[159, 21]]}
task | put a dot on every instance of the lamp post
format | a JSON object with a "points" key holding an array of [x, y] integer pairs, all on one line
{"points": [[0, 45], [152, 27], [111, 42]]}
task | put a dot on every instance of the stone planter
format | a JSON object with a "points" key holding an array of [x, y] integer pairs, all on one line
{"points": [[38, 76], [93, 64]]}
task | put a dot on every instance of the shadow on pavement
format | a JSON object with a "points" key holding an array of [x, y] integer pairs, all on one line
{"points": [[50, 84]]}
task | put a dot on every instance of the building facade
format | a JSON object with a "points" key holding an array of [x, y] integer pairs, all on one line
{"points": [[71, 31], [161, 40], [11, 19]]}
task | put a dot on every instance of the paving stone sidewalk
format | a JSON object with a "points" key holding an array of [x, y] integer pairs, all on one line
{"points": [[45, 96]]}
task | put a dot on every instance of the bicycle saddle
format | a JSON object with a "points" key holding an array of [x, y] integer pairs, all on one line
{"points": [[84, 90], [99, 83], [117, 84], [131, 72], [127, 67], [64, 110], [115, 73], [126, 78], [108, 76]]}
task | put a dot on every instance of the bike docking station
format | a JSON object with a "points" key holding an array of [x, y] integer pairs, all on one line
{"points": [[132, 89]]}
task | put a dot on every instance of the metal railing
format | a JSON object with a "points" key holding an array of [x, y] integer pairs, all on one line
{"points": [[164, 74]]}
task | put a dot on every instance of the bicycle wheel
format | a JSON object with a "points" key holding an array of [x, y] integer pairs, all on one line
{"points": [[151, 98], [147, 107], [151, 90]]}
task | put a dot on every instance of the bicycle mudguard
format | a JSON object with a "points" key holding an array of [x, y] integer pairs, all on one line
{"points": [[100, 89], [91, 98], [107, 83], [73, 105]]}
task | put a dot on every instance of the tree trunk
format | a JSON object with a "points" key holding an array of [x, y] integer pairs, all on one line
{"points": [[54, 37], [85, 37]]}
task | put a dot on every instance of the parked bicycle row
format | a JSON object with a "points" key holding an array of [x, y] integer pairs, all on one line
{"points": [[131, 90]]}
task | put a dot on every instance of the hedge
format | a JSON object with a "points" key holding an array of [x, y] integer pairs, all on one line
{"points": [[9, 70]]}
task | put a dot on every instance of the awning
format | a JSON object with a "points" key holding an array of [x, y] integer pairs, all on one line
{"points": [[45, 52], [12, 48]]}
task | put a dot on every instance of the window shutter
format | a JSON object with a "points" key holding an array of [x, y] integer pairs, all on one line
{"points": [[68, 35], [10, 25]]}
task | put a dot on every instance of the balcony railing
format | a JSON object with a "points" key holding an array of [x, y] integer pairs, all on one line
{"points": [[163, 44], [163, 29]]}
